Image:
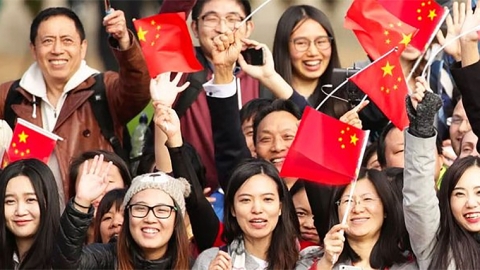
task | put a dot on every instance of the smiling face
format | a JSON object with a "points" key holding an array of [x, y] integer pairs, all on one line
{"points": [[111, 224], [312, 63], [275, 134], [465, 200], [151, 233], [257, 207], [22, 212], [305, 217], [231, 10], [366, 217], [58, 49]]}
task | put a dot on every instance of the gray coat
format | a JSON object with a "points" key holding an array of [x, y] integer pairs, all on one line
{"points": [[420, 203]]}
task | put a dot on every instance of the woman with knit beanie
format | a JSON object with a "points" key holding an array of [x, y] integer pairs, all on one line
{"points": [[153, 234]]}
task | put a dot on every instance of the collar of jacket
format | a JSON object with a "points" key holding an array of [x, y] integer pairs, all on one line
{"points": [[163, 263]]}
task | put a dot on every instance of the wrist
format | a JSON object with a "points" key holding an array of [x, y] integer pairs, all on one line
{"points": [[222, 75], [82, 203], [174, 141]]}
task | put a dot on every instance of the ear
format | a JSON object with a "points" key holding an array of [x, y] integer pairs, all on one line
{"points": [[250, 26], [32, 51], [194, 27], [83, 48], [232, 211], [280, 210]]}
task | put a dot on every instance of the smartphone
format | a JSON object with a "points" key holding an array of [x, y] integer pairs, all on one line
{"points": [[253, 57]]}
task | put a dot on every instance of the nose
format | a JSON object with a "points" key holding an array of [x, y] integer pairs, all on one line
{"points": [[278, 145], [357, 207], [312, 49], [117, 220], [309, 222], [464, 126], [150, 217], [57, 47], [222, 26], [21, 209], [257, 207], [472, 202]]}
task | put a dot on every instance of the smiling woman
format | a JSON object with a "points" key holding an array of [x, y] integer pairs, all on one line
{"points": [[153, 233], [30, 209]]}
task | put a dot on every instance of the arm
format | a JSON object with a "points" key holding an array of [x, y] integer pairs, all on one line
{"points": [[127, 91], [420, 203], [69, 252]]}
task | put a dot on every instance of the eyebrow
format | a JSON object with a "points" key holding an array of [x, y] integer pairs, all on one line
{"points": [[248, 194], [27, 194]]}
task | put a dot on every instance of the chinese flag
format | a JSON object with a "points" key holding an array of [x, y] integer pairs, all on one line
{"points": [[325, 150], [377, 30], [166, 44], [383, 81], [30, 141], [422, 14]]}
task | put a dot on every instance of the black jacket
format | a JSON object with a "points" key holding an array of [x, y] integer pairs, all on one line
{"points": [[70, 253]]}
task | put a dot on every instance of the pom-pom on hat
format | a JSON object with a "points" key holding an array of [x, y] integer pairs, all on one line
{"points": [[177, 188]]}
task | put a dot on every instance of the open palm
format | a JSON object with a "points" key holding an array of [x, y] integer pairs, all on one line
{"points": [[165, 91]]}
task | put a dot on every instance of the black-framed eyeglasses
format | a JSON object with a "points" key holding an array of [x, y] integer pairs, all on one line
{"points": [[213, 20], [303, 44], [161, 211]]}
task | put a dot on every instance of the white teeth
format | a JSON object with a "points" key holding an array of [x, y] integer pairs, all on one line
{"points": [[277, 160], [475, 215], [312, 63], [150, 230], [58, 62]]}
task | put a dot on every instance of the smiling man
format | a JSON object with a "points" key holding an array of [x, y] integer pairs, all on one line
{"points": [[54, 92]]}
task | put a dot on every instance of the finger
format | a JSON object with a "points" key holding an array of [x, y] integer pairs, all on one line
{"points": [[455, 12], [177, 78], [106, 171], [93, 165], [462, 11], [362, 105], [206, 190], [85, 167], [241, 61], [183, 87], [99, 165]]}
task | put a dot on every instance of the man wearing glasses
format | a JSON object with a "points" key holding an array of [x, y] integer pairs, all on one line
{"points": [[211, 18]]}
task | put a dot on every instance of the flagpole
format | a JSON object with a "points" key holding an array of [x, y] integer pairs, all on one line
{"points": [[354, 185], [432, 36], [345, 82], [251, 14]]}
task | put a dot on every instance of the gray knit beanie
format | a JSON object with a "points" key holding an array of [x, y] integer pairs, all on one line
{"points": [[177, 188]]}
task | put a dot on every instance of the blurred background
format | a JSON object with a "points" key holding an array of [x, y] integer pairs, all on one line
{"points": [[16, 16]]}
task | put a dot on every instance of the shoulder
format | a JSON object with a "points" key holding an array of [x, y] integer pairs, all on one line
{"points": [[203, 260], [411, 265]]}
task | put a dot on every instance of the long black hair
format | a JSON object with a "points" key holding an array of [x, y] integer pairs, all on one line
{"points": [[39, 255], [388, 250], [282, 252], [454, 243]]}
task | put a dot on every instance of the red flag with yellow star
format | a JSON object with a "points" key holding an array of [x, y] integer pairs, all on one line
{"points": [[377, 30], [422, 14], [325, 150], [30, 141], [166, 44], [383, 81]]}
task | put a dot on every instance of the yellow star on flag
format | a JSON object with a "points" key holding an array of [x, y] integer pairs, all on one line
{"points": [[22, 137], [387, 69], [141, 34], [353, 139], [432, 14], [406, 39]]}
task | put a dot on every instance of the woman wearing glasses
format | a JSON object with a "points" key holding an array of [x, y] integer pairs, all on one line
{"points": [[153, 234], [373, 233]]}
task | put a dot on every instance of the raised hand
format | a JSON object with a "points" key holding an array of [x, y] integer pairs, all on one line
{"points": [[472, 20], [454, 28], [333, 246], [258, 72], [92, 182], [352, 118], [116, 25], [166, 119], [222, 261], [227, 49], [164, 91]]}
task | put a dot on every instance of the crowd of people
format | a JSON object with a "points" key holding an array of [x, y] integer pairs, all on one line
{"points": [[207, 193]]}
